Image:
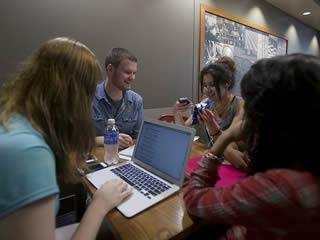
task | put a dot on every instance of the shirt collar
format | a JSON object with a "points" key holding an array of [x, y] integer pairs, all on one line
{"points": [[100, 94]]}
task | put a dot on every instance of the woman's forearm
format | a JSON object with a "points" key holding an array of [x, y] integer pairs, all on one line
{"points": [[178, 118], [221, 143], [90, 222]]}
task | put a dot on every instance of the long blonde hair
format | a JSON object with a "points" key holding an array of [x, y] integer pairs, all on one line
{"points": [[54, 90]]}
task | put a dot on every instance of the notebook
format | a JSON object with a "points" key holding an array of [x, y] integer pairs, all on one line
{"points": [[227, 173], [158, 165]]}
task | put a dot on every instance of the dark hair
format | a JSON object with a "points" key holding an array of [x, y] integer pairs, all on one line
{"points": [[117, 55], [282, 103], [231, 65], [221, 74], [54, 91]]}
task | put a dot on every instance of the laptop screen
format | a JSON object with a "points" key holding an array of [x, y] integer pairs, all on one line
{"points": [[163, 148]]}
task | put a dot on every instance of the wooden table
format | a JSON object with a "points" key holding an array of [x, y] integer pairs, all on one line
{"points": [[165, 220]]}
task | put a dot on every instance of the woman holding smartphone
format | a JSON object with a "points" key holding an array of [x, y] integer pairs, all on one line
{"points": [[223, 108]]}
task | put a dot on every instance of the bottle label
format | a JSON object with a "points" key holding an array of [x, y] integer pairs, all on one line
{"points": [[111, 137]]}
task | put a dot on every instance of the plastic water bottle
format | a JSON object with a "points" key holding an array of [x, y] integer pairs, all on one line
{"points": [[111, 142]]}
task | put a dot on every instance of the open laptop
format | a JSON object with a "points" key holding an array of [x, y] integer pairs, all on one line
{"points": [[161, 151]]}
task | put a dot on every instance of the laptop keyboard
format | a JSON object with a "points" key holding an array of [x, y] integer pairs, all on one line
{"points": [[140, 180]]}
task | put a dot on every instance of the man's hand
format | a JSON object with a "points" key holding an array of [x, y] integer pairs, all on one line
{"points": [[124, 141]]}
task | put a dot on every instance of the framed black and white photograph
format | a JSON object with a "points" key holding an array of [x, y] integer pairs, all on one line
{"points": [[222, 34]]}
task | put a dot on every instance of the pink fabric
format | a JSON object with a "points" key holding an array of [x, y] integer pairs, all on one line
{"points": [[228, 174], [193, 163]]}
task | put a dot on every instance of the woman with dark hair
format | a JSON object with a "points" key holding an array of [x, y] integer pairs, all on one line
{"points": [[216, 80], [280, 199], [46, 132]]}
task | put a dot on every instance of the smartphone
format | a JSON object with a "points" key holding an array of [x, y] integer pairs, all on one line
{"points": [[184, 100], [91, 158], [97, 166]]}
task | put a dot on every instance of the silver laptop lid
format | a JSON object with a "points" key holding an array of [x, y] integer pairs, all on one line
{"points": [[163, 148]]}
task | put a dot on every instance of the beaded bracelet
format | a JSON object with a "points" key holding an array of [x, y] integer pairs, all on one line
{"points": [[213, 156]]}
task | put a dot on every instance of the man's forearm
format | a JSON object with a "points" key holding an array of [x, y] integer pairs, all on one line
{"points": [[100, 141]]}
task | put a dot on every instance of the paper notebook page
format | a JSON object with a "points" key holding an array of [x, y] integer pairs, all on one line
{"points": [[127, 153]]}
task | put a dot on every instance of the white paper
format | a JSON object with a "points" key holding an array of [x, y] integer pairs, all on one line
{"points": [[124, 157], [127, 153], [196, 138], [225, 162]]}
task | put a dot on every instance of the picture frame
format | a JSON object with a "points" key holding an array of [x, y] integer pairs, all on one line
{"points": [[222, 34]]}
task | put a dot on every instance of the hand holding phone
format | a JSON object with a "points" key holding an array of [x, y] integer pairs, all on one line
{"points": [[184, 100], [97, 166]]}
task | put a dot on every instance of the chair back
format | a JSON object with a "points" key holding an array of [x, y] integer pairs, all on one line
{"points": [[169, 118]]}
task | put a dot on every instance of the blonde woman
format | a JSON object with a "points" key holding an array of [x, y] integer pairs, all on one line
{"points": [[46, 130]]}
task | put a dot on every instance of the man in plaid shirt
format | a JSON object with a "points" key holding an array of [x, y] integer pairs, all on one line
{"points": [[280, 199]]}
